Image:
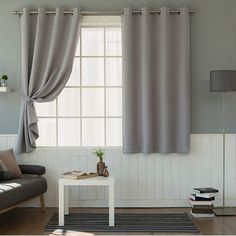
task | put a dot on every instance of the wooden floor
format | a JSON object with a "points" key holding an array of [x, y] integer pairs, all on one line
{"points": [[30, 221]]}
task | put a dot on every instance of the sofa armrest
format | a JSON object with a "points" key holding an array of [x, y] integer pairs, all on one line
{"points": [[32, 169]]}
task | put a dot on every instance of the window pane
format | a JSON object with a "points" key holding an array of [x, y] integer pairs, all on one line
{"points": [[93, 102], [77, 53], [92, 41], [113, 41], [69, 132], [69, 102], [46, 108], [113, 72], [47, 132], [93, 132], [74, 79], [114, 132], [114, 101], [93, 72]]}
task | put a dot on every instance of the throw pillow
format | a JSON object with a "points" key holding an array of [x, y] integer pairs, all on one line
{"points": [[8, 158], [4, 173]]}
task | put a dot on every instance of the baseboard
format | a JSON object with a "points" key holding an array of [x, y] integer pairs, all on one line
{"points": [[231, 202]]}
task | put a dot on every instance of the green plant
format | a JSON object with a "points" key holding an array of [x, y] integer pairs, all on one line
{"points": [[5, 77], [99, 152]]}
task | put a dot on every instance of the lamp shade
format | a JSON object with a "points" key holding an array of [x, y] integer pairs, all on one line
{"points": [[223, 80]]}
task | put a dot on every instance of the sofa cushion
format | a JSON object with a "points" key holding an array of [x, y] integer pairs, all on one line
{"points": [[32, 169], [4, 172], [8, 158], [20, 189]]}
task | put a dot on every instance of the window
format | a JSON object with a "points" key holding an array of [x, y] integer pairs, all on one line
{"points": [[88, 111]]}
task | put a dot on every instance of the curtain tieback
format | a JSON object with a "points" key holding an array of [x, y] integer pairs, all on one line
{"points": [[28, 99]]}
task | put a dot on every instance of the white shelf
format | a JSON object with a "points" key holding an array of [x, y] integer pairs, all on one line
{"points": [[3, 89]]}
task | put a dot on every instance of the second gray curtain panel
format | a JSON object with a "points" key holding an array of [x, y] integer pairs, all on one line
{"points": [[48, 49], [156, 81]]}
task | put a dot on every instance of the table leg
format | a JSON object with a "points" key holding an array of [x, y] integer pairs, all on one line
{"points": [[111, 205], [61, 204], [66, 200]]}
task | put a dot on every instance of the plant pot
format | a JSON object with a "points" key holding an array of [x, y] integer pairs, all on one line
{"points": [[3, 83], [100, 167]]}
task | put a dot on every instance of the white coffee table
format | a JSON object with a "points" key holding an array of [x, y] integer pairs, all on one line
{"points": [[95, 181]]}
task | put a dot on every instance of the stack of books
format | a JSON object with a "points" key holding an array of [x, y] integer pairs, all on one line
{"points": [[202, 202]]}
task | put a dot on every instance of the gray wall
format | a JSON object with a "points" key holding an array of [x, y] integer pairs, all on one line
{"points": [[213, 46]]}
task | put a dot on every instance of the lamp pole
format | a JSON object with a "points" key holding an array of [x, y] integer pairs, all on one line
{"points": [[223, 131]]}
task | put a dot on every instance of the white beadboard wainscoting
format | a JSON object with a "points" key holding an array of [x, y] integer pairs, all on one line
{"points": [[140, 180]]}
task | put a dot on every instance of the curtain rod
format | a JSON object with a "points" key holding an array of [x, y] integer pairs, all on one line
{"points": [[97, 13]]}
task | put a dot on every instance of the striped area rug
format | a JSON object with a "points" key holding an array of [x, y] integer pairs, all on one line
{"points": [[125, 223]]}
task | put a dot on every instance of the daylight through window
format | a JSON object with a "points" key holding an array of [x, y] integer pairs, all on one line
{"points": [[88, 112]]}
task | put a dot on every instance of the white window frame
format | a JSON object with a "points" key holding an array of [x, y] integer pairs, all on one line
{"points": [[90, 22]]}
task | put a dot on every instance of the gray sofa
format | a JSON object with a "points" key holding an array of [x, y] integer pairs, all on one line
{"points": [[19, 190]]}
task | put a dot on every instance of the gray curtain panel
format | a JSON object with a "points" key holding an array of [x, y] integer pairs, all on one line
{"points": [[156, 78], [48, 48]]}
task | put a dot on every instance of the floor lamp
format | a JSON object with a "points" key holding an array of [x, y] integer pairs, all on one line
{"points": [[223, 81]]}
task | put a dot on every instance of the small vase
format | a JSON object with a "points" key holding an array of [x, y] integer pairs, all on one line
{"points": [[105, 172], [100, 167]]}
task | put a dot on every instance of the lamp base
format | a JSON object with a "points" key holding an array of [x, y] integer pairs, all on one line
{"points": [[225, 211]]}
